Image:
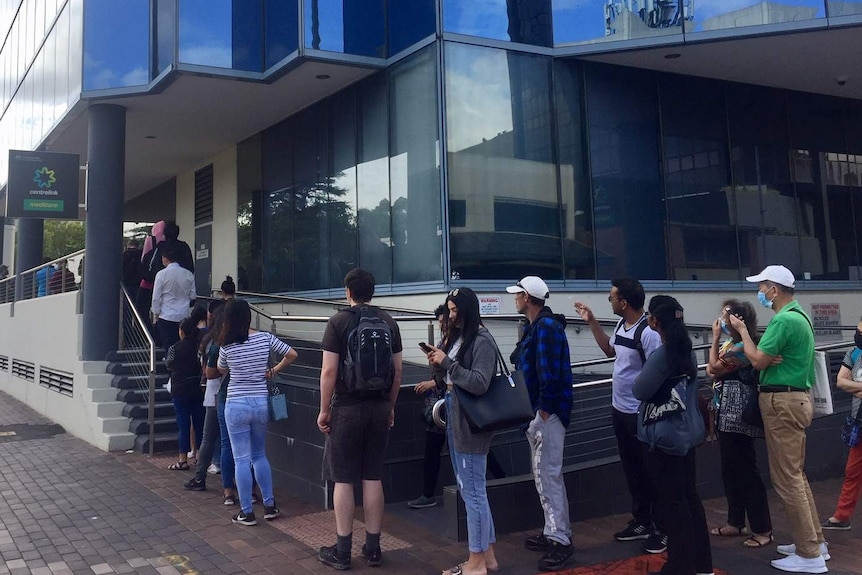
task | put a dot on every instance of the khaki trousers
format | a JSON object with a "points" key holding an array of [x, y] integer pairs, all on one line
{"points": [[786, 416]]}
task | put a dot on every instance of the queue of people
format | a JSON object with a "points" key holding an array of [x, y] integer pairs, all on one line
{"points": [[654, 378]]}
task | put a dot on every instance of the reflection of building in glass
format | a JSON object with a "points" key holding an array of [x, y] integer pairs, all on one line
{"points": [[629, 19], [761, 13]]}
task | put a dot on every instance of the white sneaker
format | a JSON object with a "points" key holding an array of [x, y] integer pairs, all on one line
{"points": [[213, 469], [796, 564], [791, 550]]}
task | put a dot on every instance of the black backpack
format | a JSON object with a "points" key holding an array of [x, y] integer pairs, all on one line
{"points": [[368, 367]]}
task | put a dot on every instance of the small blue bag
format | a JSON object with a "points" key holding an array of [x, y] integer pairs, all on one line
{"points": [[675, 426], [277, 403]]}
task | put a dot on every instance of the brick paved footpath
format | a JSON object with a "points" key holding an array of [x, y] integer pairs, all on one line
{"points": [[68, 508]]}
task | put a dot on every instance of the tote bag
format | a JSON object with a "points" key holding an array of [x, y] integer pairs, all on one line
{"points": [[675, 426], [505, 405], [821, 394]]}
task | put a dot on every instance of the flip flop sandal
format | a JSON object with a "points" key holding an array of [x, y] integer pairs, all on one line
{"points": [[179, 466], [756, 543], [456, 570], [729, 531]]}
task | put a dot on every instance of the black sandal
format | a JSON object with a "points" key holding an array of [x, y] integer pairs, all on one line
{"points": [[755, 542], [179, 466]]}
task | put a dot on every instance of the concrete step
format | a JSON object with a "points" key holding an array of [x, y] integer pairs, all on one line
{"points": [[138, 411], [121, 368], [140, 426], [138, 381], [137, 396], [132, 355], [164, 442]]}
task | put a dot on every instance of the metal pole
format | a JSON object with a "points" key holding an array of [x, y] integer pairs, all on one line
{"points": [[431, 333], [151, 408]]}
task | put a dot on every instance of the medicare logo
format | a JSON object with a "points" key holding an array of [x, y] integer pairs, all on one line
{"points": [[44, 177]]}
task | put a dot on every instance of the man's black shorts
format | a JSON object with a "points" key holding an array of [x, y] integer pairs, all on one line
{"points": [[356, 446]]}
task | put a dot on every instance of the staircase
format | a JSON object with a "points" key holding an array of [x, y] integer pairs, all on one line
{"points": [[133, 390]]}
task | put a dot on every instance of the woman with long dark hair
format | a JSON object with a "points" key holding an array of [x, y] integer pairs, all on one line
{"points": [[245, 353], [679, 511], [469, 357], [735, 384]]}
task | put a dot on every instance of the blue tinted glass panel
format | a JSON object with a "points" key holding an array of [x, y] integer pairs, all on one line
{"points": [[593, 21], [281, 29], [409, 22], [501, 162], [116, 56], [844, 8], [578, 240], [628, 198], [414, 169], [222, 33], [719, 14], [524, 21], [352, 27], [701, 235]]}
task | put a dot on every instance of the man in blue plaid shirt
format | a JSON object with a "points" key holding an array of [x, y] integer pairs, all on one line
{"points": [[543, 355]]}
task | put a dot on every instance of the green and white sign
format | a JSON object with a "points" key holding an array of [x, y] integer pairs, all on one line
{"points": [[42, 185]]}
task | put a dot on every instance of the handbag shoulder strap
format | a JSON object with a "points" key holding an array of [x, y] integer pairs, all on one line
{"points": [[504, 369]]}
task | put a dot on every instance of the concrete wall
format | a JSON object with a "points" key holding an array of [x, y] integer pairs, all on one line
{"points": [[46, 333], [224, 241]]}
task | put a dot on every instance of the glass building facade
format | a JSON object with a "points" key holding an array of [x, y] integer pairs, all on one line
{"points": [[480, 145]]}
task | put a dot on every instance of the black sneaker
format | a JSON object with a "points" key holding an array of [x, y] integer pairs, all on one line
{"points": [[270, 512], [242, 518], [373, 557], [538, 543], [558, 557], [329, 556], [195, 485], [656, 543], [633, 532]]}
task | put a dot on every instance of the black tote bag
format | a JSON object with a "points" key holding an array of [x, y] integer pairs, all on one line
{"points": [[505, 405]]}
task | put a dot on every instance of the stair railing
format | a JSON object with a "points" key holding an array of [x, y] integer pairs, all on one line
{"points": [[136, 339]]}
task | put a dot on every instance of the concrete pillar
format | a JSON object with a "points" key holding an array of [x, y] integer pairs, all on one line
{"points": [[2, 238], [106, 153]]}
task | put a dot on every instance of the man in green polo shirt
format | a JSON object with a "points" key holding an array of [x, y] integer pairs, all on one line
{"points": [[785, 358]]}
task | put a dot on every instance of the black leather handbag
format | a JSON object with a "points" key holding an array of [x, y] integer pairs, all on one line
{"points": [[505, 405]]}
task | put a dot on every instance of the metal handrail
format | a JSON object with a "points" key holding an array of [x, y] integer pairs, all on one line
{"points": [[151, 399], [702, 366]]}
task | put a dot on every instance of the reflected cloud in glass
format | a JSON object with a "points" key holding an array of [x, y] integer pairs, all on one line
{"points": [[116, 56], [524, 21]]}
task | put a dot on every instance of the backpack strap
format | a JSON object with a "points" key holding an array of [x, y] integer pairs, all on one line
{"points": [[642, 325], [854, 355]]}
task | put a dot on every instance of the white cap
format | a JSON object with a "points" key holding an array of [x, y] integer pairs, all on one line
{"points": [[533, 285], [776, 274]]}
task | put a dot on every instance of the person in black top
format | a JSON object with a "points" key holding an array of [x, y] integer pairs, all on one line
{"points": [[185, 367], [132, 268], [183, 251]]}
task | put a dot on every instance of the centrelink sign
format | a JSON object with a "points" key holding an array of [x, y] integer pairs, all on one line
{"points": [[42, 185]]}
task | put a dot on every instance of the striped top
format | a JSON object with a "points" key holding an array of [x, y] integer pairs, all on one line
{"points": [[248, 363]]}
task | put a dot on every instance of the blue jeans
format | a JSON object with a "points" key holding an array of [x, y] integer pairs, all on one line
{"points": [[189, 412], [470, 473], [227, 468], [247, 421]]}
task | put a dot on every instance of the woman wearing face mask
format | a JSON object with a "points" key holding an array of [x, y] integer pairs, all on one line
{"points": [[735, 382], [850, 380]]}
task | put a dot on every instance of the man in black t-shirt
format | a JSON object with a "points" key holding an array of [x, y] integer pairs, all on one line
{"points": [[356, 428]]}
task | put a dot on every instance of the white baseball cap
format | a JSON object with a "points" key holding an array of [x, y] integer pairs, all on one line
{"points": [[776, 274], [533, 285]]}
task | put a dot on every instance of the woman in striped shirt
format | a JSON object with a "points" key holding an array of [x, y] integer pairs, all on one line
{"points": [[245, 353]]}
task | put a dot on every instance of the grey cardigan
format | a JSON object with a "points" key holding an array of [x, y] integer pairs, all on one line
{"points": [[472, 374]]}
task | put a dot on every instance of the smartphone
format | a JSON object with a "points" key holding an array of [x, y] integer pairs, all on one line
{"points": [[425, 347]]}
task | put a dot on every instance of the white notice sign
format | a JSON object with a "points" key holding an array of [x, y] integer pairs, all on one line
{"points": [[489, 305]]}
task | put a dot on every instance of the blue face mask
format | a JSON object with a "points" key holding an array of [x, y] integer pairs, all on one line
{"points": [[761, 297], [724, 328]]}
